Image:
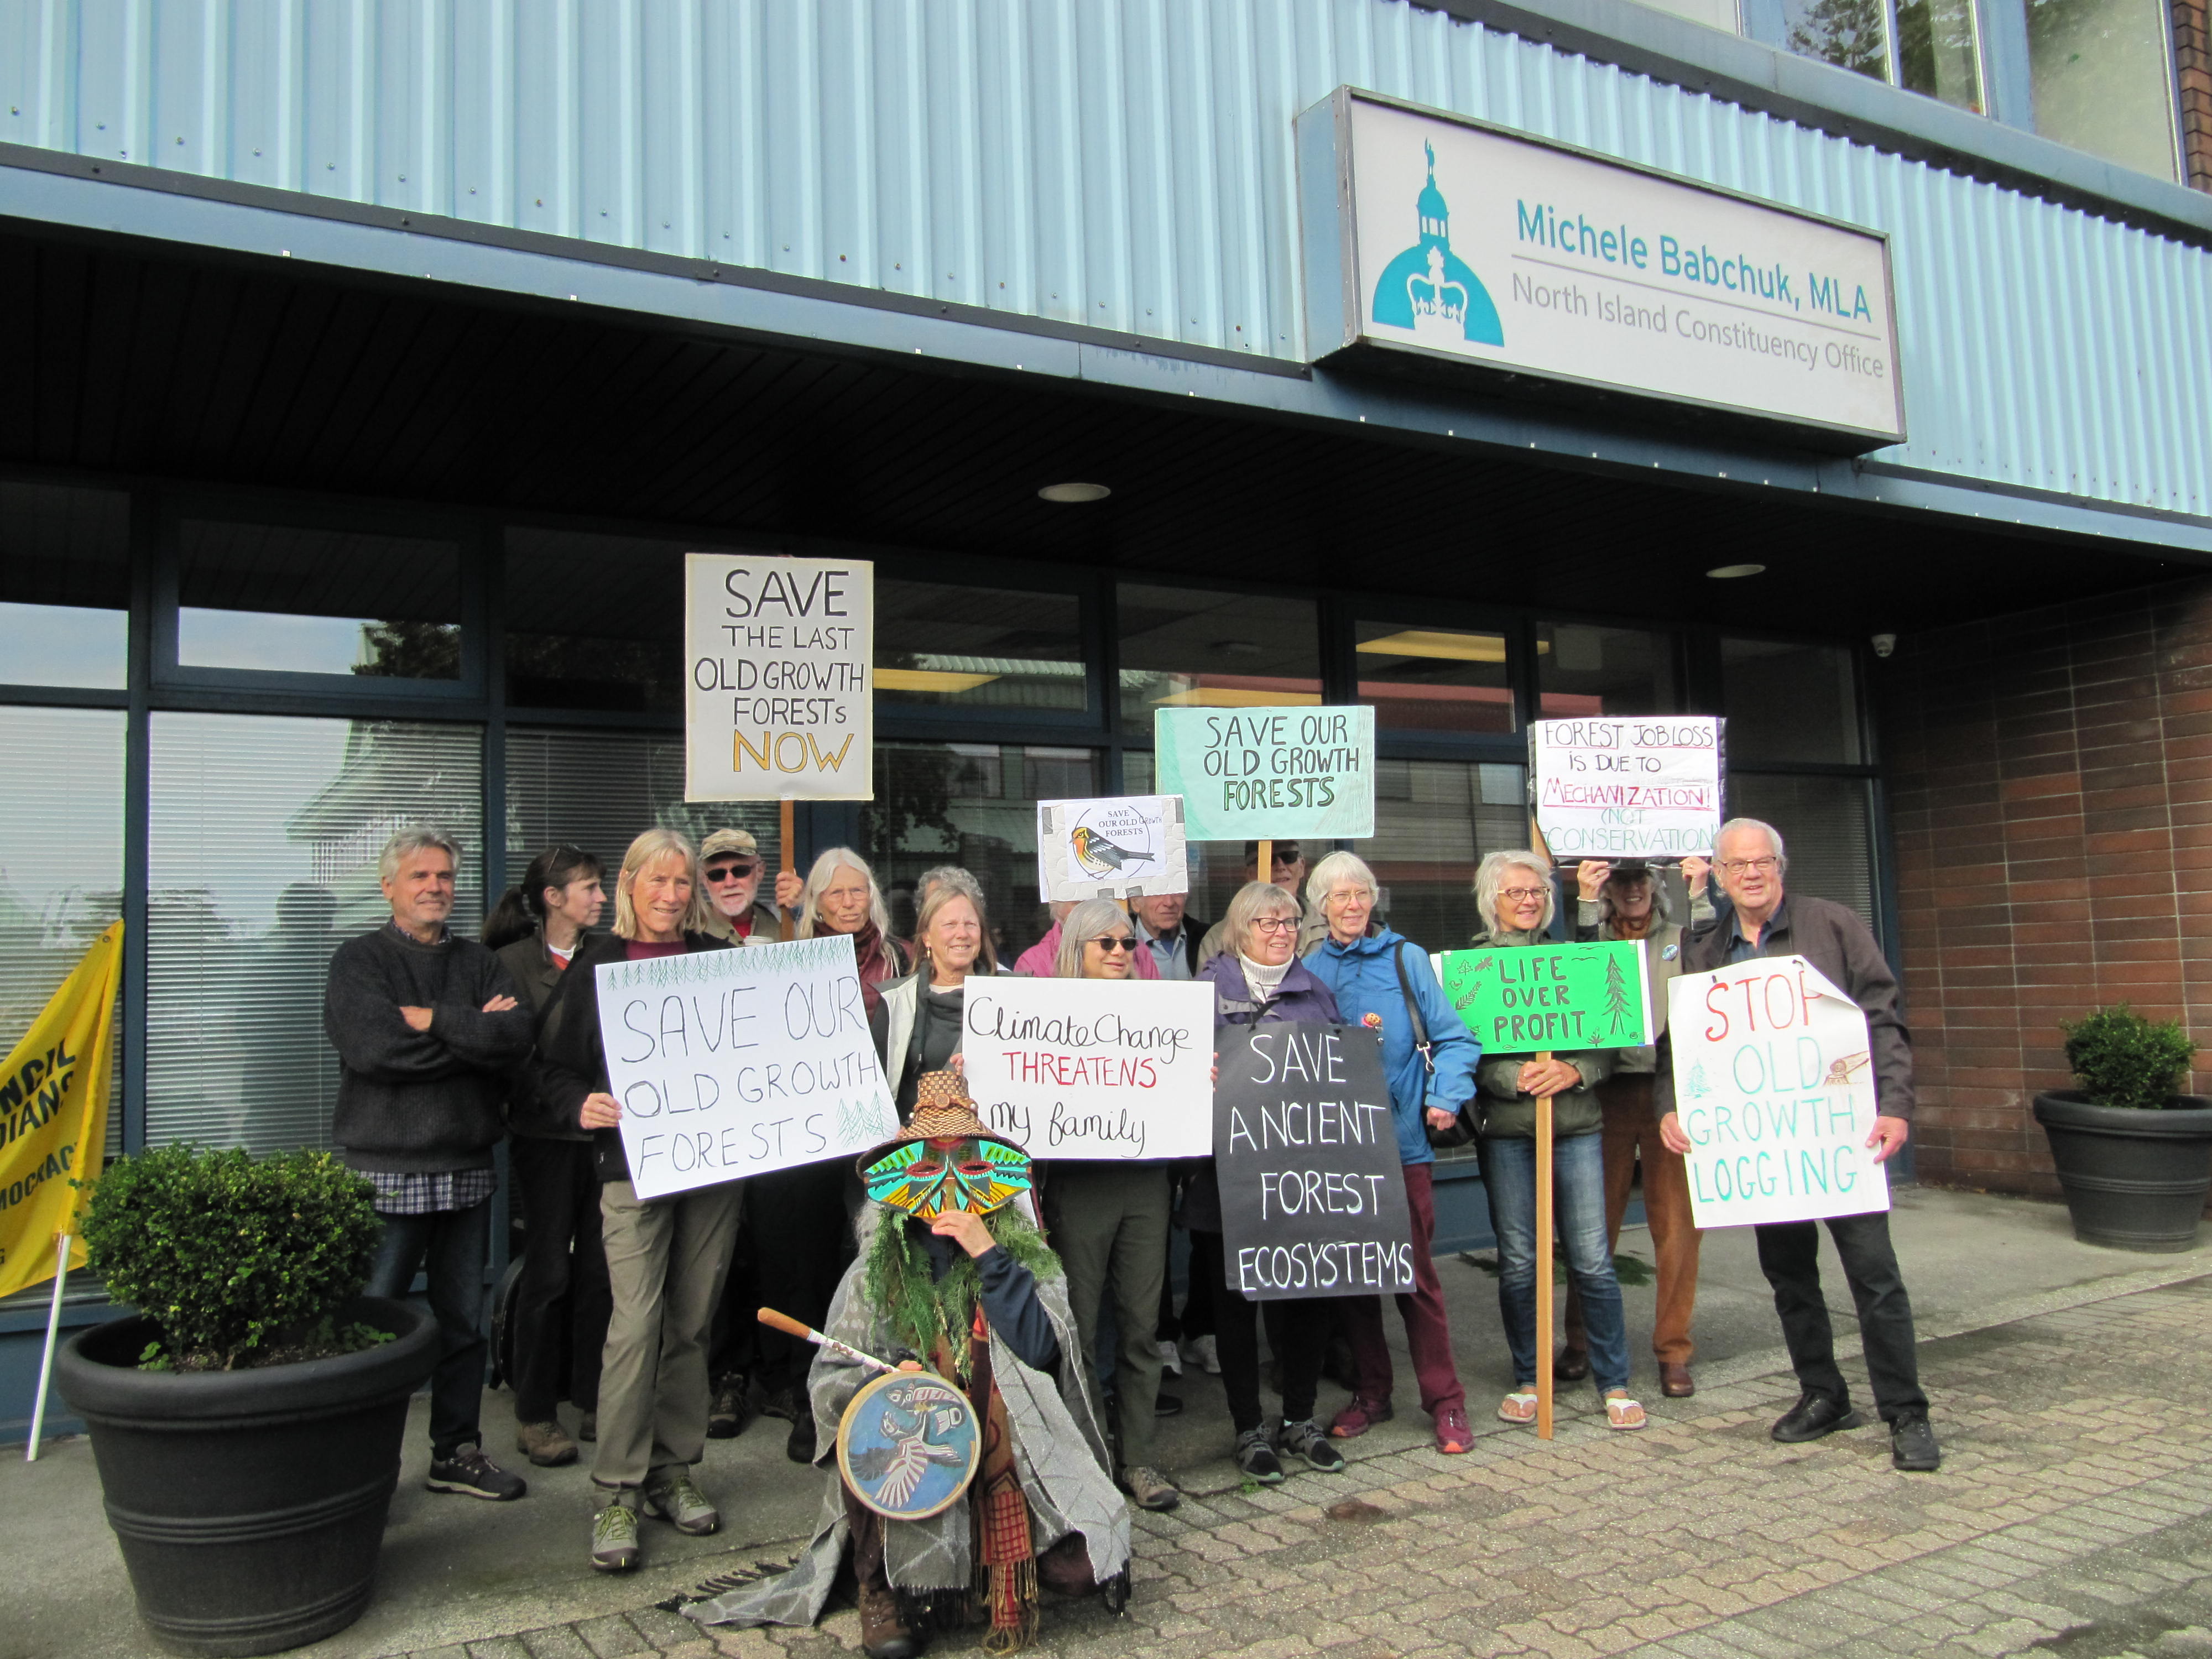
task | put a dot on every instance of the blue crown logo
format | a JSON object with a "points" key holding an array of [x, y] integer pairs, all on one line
{"points": [[1429, 288]]}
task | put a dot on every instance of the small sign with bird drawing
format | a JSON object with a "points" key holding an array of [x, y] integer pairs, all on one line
{"points": [[1124, 847]]}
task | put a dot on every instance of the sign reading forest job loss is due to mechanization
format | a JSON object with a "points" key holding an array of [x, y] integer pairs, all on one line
{"points": [[781, 659], [1647, 787]]}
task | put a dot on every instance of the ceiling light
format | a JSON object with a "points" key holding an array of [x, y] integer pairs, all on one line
{"points": [[1237, 648], [1724, 573], [1233, 696], [1456, 648], [1074, 492], [926, 679]]}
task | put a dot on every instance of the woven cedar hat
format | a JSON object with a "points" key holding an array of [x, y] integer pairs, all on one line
{"points": [[943, 1111]]}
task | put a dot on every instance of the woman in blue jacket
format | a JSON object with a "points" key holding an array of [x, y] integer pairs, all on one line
{"points": [[1377, 977]]}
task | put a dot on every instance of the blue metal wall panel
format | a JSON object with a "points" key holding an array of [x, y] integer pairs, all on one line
{"points": [[1123, 163]]}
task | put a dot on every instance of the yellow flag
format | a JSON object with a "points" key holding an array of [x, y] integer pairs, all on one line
{"points": [[53, 1116]]}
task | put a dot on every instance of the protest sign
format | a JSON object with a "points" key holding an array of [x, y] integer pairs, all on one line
{"points": [[1091, 1068], [780, 702], [1648, 787], [1591, 994], [732, 1063], [1774, 1083], [1313, 1196], [1267, 773], [1129, 847]]}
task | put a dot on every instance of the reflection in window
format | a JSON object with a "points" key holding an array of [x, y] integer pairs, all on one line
{"points": [[1433, 822], [290, 600], [64, 587], [1786, 701], [1185, 646], [265, 837], [973, 805], [1938, 54], [1851, 34], [595, 621], [1824, 824], [2103, 79], [976, 647], [600, 790], [1582, 670], [1434, 679]]}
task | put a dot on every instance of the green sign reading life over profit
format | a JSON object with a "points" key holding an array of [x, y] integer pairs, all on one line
{"points": [[1592, 995], [1268, 773]]}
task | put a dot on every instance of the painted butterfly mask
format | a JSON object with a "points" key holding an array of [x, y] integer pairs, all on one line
{"points": [[925, 1178]]}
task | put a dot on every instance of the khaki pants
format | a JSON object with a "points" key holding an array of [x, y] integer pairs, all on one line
{"points": [[1109, 1223], [1631, 1133], [665, 1263]]}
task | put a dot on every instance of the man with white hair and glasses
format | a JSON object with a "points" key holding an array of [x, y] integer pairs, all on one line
{"points": [[1749, 860]]}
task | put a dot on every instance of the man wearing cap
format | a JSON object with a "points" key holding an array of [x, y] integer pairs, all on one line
{"points": [[953, 1278], [1624, 900], [730, 864], [1287, 872]]}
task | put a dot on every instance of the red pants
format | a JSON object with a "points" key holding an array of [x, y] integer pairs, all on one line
{"points": [[1632, 1132], [1428, 1334]]}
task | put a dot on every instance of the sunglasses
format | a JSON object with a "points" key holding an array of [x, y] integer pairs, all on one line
{"points": [[737, 871], [1110, 942]]}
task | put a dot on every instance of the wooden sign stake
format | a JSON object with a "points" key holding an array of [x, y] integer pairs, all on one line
{"points": [[784, 840], [1544, 1262], [1263, 867]]}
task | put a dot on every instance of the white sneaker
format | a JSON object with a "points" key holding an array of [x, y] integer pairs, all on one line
{"points": [[1170, 1357], [1207, 1354]]}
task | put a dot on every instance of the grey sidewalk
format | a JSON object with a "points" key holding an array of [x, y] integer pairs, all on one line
{"points": [[509, 1579]]}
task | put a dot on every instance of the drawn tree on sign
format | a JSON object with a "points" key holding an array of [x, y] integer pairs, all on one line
{"points": [[1616, 993], [1698, 1087]]}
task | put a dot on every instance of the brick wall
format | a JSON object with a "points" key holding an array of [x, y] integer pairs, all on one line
{"points": [[2193, 63], [2051, 797]]}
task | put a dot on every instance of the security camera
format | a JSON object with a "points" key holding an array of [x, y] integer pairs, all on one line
{"points": [[1884, 644]]}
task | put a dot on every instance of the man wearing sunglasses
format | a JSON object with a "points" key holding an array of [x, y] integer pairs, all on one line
{"points": [[730, 862]]}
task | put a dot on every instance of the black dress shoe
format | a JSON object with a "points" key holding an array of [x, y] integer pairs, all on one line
{"points": [[800, 1447], [1912, 1444], [1167, 1405], [1813, 1416], [1572, 1365]]}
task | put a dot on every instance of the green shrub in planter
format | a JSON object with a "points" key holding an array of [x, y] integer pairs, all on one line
{"points": [[2121, 1059], [234, 1257]]}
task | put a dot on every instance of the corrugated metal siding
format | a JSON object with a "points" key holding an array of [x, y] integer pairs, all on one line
{"points": [[1126, 163]]}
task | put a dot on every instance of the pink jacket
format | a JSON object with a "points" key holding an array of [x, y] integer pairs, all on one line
{"points": [[1037, 961]]}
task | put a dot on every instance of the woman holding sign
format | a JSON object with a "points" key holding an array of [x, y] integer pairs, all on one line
{"points": [[840, 896], [916, 1021], [1514, 889]]}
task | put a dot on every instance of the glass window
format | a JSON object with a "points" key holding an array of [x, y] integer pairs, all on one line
{"points": [[2103, 79], [599, 790], [595, 621], [1433, 822], [1187, 647], [265, 837], [290, 600], [1434, 679], [1938, 54], [64, 587], [60, 857], [978, 647], [1825, 826], [973, 805], [1852, 34], [1790, 702], [1583, 670], [1217, 867]]}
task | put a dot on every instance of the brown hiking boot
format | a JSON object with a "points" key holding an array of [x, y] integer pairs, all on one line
{"points": [[883, 1634], [547, 1444]]}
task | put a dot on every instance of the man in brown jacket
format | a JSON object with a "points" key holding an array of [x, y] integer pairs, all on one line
{"points": [[1750, 863]]}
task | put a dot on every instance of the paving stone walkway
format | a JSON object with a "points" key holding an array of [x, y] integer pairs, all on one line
{"points": [[2073, 1516]]}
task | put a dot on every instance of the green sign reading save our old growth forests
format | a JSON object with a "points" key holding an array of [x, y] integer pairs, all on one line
{"points": [[1540, 997]]}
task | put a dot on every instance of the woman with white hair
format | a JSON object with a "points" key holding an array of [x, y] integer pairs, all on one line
{"points": [[666, 1257], [840, 896], [1383, 979], [1110, 1221], [1513, 892]]}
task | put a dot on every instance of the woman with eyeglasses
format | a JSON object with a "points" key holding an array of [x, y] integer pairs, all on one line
{"points": [[1110, 1221], [1383, 979], [840, 896], [1513, 892], [1258, 980]]}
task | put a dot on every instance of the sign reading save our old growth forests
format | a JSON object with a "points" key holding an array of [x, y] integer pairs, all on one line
{"points": [[1254, 774], [1591, 994], [780, 654]]}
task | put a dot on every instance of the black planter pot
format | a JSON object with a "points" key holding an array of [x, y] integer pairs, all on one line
{"points": [[250, 1505], [2134, 1180]]}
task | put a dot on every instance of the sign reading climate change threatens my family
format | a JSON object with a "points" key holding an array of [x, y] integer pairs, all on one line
{"points": [[781, 705], [1458, 240], [1271, 773], [730, 1063], [1647, 788], [1774, 1083], [1096, 1069], [1313, 1196], [1124, 848]]}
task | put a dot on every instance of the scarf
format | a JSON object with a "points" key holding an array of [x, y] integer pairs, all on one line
{"points": [[879, 960], [1262, 981]]}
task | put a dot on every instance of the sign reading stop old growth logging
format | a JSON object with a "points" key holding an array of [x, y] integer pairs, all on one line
{"points": [[1313, 1197], [1774, 1083], [1524, 1000], [1268, 773], [730, 1063], [1647, 788], [780, 701]]}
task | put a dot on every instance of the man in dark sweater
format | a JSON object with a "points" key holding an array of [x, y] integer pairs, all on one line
{"points": [[1748, 859], [427, 1029]]}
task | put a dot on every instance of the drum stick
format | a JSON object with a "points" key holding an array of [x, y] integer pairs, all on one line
{"points": [[790, 1327]]}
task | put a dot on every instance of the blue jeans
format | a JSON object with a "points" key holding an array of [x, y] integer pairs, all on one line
{"points": [[451, 1246], [1509, 1175]]}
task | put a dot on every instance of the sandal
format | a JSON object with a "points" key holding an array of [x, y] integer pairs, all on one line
{"points": [[1519, 1407], [1622, 1412]]}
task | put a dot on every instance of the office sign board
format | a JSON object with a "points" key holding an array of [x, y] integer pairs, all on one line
{"points": [[1430, 233]]}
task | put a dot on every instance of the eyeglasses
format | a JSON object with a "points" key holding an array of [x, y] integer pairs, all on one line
{"points": [[1110, 942], [1739, 866], [1347, 895], [1523, 895], [1277, 924], [737, 871]]}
